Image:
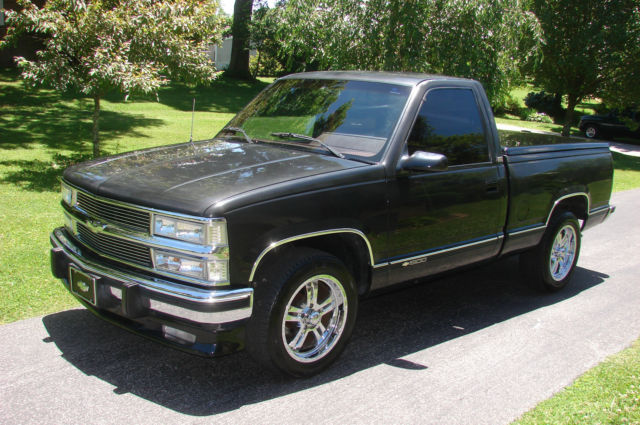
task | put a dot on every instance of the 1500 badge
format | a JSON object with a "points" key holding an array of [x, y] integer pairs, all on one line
{"points": [[414, 262]]}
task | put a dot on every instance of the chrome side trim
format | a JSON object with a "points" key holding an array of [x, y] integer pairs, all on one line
{"points": [[442, 251], [601, 209], [562, 198], [279, 243], [531, 229], [170, 289]]}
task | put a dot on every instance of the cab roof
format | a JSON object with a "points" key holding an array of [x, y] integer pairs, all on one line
{"points": [[402, 78]]}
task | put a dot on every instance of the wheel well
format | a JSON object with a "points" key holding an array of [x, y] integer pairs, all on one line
{"points": [[577, 204], [351, 249]]}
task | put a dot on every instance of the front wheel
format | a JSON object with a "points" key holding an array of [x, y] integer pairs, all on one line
{"points": [[549, 265], [305, 306], [592, 132]]}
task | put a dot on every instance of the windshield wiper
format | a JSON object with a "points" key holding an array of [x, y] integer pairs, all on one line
{"points": [[311, 139], [239, 130]]}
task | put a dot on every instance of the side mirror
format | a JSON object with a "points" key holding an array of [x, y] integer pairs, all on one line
{"points": [[424, 161]]}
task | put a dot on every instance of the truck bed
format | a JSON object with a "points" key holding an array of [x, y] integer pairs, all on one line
{"points": [[544, 169]]}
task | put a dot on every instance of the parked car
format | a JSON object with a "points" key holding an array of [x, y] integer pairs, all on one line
{"points": [[327, 187], [610, 125]]}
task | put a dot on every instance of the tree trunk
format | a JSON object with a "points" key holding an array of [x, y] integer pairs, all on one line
{"points": [[239, 64], [572, 101], [96, 128]]}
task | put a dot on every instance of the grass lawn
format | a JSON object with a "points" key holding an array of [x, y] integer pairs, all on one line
{"points": [[607, 394]]}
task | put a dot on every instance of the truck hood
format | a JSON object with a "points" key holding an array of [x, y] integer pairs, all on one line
{"points": [[190, 178]]}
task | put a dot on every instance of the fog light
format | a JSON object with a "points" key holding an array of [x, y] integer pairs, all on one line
{"points": [[177, 335]]}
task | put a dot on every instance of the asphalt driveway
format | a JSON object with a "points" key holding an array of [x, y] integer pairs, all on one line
{"points": [[475, 348]]}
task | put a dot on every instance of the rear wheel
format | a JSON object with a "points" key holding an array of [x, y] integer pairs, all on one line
{"points": [[549, 265], [304, 311]]}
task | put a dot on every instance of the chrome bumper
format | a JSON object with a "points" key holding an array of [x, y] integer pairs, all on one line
{"points": [[155, 297]]}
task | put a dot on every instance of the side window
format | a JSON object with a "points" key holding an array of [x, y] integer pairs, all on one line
{"points": [[449, 123]]}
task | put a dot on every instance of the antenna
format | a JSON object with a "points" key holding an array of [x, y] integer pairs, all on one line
{"points": [[193, 113]]}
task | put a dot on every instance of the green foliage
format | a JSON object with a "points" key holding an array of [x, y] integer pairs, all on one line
{"points": [[132, 46], [129, 45], [588, 49], [507, 105], [489, 40], [264, 26], [526, 113], [265, 65], [622, 89]]}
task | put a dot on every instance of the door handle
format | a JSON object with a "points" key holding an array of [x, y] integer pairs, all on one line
{"points": [[491, 185], [491, 181]]}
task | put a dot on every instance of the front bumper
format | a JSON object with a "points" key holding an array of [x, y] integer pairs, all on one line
{"points": [[204, 321]]}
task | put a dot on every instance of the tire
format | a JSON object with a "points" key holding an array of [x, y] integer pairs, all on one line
{"points": [[304, 311], [591, 132], [550, 265]]}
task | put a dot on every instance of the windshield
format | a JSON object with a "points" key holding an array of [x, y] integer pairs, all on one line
{"points": [[356, 118]]}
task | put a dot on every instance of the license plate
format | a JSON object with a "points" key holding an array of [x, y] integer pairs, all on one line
{"points": [[82, 285]]}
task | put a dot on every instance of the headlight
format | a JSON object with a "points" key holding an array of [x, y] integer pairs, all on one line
{"points": [[67, 194], [210, 270], [204, 233]]}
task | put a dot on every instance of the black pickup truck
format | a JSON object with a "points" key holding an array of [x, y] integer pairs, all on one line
{"points": [[326, 187]]}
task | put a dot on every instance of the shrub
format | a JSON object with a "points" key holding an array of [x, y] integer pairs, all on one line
{"points": [[525, 113], [269, 66], [507, 105], [546, 103], [539, 117]]}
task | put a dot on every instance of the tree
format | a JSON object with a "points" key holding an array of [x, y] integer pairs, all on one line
{"points": [[622, 88], [588, 49], [489, 40], [134, 46], [239, 64]]}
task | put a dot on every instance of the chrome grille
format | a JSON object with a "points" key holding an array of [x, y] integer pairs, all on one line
{"points": [[128, 217], [115, 247]]}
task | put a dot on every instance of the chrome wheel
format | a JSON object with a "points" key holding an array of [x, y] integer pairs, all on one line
{"points": [[563, 253], [314, 318], [591, 132]]}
